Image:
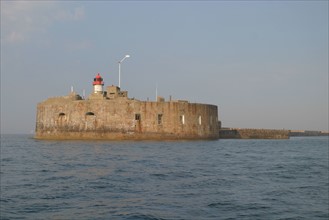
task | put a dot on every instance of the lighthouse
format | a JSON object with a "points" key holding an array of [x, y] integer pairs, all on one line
{"points": [[98, 84]]}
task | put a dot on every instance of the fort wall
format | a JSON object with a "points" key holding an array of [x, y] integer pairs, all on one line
{"points": [[119, 117]]}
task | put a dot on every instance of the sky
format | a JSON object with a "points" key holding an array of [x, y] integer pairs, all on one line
{"points": [[263, 63]]}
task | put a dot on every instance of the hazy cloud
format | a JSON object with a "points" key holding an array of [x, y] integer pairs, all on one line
{"points": [[67, 15], [22, 20], [15, 37], [79, 45]]}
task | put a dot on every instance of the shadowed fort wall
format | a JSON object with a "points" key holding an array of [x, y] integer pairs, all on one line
{"points": [[71, 117]]}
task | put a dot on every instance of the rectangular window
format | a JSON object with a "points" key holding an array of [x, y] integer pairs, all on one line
{"points": [[137, 117], [182, 119], [199, 119], [160, 119]]}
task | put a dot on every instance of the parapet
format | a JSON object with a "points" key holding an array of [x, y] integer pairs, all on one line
{"points": [[71, 97], [97, 96], [160, 99], [114, 92]]}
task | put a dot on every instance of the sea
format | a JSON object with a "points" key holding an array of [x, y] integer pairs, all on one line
{"points": [[218, 179]]}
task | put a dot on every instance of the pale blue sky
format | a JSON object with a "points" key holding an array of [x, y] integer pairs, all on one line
{"points": [[265, 64]]}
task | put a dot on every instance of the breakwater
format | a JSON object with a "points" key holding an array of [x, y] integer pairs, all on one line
{"points": [[297, 133], [251, 133]]}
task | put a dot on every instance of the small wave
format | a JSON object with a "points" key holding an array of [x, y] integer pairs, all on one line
{"points": [[7, 160], [219, 204], [143, 217], [159, 175], [57, 178]]}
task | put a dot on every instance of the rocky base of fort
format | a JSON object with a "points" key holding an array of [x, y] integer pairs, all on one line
{"points": [[92, 135]]}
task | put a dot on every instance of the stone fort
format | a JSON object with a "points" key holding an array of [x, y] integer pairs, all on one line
{"points": [[111, 115]]}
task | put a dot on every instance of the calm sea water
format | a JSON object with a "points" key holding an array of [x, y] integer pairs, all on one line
{"points": [[224, 179]]}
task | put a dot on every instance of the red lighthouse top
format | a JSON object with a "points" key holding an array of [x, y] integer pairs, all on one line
{"points": [[98, 80]]}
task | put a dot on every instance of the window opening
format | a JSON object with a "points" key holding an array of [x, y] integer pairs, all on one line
{"points": [[160, 119], [137, 117], [61, 114], [90, 113], [199, 120], [182, 119]]}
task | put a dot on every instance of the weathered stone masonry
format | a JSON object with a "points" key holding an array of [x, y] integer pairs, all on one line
{"points": [[112, 115]]}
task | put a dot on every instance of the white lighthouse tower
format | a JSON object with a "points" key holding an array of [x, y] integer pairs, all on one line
{"points": [[98, 84]]}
